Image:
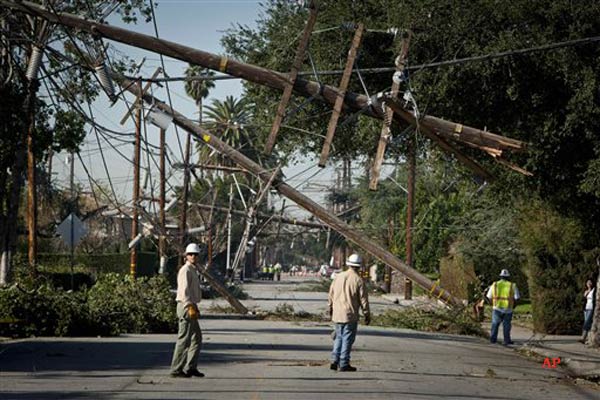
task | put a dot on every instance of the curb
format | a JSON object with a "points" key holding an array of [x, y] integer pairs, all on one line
{"points": [[576, 369]]}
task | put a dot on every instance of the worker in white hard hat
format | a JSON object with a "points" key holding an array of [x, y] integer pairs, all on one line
{"points": [[503, 295], [347, 294], [189, 337]]}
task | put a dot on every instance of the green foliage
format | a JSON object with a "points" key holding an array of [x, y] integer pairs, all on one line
{"points": [[447, 321], [558, 266], [121, 304], [43, 311], [114, 305], [320, 286], [69, 131], [286, 312], [489, 239], [441, 199]]}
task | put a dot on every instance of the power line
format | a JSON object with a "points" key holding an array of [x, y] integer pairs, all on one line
{"points": [[379, 70]]}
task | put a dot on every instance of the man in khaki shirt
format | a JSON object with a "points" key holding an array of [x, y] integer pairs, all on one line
{"points": [[189, 337], [347, 294]]}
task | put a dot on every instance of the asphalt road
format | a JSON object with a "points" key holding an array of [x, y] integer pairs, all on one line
{"points": [[252, 359]]}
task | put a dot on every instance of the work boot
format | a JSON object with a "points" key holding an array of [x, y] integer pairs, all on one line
{"points": [[333, 366], [347, 368], [179, 374], [195, 372]]}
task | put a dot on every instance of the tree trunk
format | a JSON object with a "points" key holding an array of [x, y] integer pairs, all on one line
{"points": [[595, 332], [8, 234]]}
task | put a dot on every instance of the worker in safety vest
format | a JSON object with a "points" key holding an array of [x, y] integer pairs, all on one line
{"points": [[503, 295], [277, 271]]}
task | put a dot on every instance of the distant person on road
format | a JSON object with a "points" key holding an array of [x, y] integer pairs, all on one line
{"points": [[277, 271], [588, 312], [503, 295], [347, 294], [189, 337]]}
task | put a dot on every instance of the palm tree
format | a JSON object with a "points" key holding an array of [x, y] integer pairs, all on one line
{"points": [[230, 120], [198, 90]]}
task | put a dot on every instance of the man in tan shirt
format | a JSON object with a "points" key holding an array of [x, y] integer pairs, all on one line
{"points": [[347, 294], [189, 337]]}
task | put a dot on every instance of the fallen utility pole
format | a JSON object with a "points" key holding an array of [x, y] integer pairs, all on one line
{"points": [[334, 222], [276, 80]]}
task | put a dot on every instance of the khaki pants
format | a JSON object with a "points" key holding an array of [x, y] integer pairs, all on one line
{"points": [[189, 342]]}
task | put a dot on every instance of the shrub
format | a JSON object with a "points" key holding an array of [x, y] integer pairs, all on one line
{"points": [[557, 266], [121, 304], [43, 311], [447, 321], [114, 305]]}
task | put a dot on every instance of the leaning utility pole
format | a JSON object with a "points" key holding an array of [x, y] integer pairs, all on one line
{"points": [[136, 183], [333, 221]]}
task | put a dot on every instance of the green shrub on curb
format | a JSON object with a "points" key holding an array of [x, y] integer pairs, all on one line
{"points": [[44, 311], [445, 321], [115, 304]]}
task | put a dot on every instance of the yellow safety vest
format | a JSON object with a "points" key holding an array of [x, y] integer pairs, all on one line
{"points": [[503, 295]]}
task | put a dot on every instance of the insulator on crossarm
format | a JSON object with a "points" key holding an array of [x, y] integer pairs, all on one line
{"points": [[34, 63], [106, 81]]}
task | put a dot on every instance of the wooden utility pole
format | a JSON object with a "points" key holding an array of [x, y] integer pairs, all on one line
{"points": [[228, 265], [357, 102], [31, 183], [136, 181], [287, 91], [72, 218], [341, 93], [333, 221], [389, 113], [163, 221], [410, 208], [33, 66], [186, 184]]}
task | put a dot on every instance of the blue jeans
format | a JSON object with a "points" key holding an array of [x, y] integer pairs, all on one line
{"points": [[342, 346], [506, 319], [588, 316]]}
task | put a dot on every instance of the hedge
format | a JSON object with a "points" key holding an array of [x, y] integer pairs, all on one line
{"points": [[115, 304]]}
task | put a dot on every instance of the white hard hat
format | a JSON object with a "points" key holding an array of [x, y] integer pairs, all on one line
{"points": [[192, 248], [354, 260], [504, 273]]}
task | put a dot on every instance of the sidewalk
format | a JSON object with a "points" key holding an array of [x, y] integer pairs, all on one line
{"points": [[577, 359]]}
